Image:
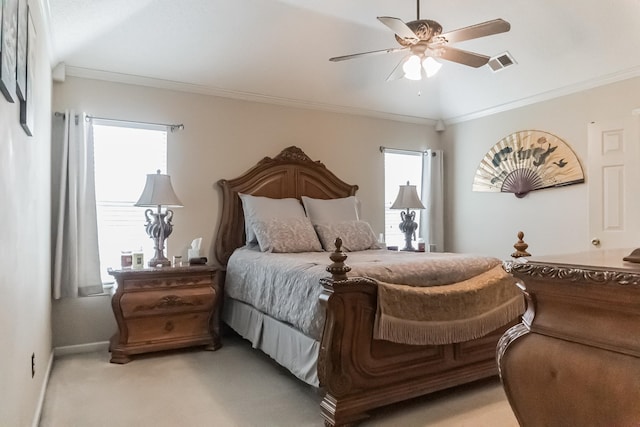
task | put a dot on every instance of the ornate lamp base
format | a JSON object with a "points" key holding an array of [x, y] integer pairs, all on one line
{"points": [[408, 226], [158, 228], [159, 262]]}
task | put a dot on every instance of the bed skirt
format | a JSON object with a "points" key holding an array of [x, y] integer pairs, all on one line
{"points": [[287, 346]]}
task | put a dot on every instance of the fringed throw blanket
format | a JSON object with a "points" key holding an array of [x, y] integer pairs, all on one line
{"points": [[418, 292], [432, 315]]}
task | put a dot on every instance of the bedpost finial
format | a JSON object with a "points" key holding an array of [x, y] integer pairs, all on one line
{"points": [[338, 268], [338, 243], [521, 247]]}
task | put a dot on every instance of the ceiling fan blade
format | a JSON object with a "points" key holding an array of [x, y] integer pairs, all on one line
{"points": [[483, 29], [373, 52], [463, 57], [397, 72], [400, 28]]}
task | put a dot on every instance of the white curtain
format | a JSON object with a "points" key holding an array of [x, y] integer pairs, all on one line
{"points": [[75, 257], [432, 198]]}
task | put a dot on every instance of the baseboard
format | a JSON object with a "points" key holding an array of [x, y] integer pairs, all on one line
{"points": [[43, 390], [61, 351], [81, 348]]}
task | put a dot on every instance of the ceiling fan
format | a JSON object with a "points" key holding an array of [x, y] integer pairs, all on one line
{"points": [[424, 39]]}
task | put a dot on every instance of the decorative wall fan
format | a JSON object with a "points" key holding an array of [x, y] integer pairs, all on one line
{"points": [[425, 40], [525, 161]]}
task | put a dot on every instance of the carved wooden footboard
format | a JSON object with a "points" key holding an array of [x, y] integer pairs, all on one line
{"points": [[360, 373], [357, 372]]}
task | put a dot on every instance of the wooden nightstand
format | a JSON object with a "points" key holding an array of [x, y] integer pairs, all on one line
{"points": [[165, 308]]}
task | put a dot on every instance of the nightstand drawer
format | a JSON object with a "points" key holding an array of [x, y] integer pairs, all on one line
{"points": [[155, 329], [141, 284], [166, 301]]}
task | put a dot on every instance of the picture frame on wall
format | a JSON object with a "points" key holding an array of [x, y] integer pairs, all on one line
{"points": [[8, 35], [21, 53], [27, 105]]}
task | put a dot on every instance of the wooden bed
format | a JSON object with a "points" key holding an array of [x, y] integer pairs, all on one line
{"points": [[356, 372]]}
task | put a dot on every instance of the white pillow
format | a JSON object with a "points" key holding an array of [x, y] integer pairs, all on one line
{"points": [[262, 208], [355, 235], [327, 211], [286, 235]]}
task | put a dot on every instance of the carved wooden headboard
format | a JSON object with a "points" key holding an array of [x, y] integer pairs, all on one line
{"points": [[290, 174]]}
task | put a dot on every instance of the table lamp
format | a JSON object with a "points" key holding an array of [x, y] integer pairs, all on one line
{"points": [[158, 192], [408, 199]]}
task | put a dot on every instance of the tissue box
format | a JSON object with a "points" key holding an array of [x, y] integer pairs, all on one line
{"points": [[193, 253]]}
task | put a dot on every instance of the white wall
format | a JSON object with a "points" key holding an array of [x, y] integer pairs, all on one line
{"points": [[222, 138], [25, 295], [554, 220]]}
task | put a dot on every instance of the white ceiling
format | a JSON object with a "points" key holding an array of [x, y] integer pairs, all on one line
{"points": [[278, 50]]}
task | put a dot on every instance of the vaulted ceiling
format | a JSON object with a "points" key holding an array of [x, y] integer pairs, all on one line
{"points": [[278, 50]]}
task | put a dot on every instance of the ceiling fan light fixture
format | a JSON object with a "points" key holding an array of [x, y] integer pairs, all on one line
{"points": [[424, 39], [411, 68], [431, 66], [413, 76]]}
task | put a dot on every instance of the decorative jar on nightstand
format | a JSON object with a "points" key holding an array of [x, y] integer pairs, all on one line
{"points": [[165, 308]]}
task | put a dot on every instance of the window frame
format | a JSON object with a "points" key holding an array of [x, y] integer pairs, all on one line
{"points": [[135, 217], [392, 234]]}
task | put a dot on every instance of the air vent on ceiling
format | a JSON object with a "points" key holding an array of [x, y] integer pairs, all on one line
{"points": [[501, 61]]}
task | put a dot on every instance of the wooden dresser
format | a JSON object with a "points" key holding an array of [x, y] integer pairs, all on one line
{"points": [[165, 308], [575, 358]]}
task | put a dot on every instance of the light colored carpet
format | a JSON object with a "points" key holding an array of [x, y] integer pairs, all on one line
{"points": [[234, 386]]}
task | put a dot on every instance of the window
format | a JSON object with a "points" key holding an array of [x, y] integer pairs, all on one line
{"points": [[123, 156], [399, 167]]}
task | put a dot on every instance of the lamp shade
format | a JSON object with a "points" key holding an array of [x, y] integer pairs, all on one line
{"points": [[158, 191], [407, 198]]}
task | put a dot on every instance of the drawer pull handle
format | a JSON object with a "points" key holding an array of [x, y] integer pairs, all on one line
{"points": [[168, 326], [168, 302]]}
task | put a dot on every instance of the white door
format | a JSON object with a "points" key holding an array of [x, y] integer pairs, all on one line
{"points": [[614, 183]]}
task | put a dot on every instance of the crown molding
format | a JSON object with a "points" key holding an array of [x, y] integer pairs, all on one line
{"points": [[546, 96], [89, 73], [93, 74]]}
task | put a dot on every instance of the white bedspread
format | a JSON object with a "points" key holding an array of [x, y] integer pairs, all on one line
{"points": [[286, 286]]}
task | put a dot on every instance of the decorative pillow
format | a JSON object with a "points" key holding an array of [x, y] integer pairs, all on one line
{"points": [[355, 235], [263, 208], [328, 211], [286, 235]]}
